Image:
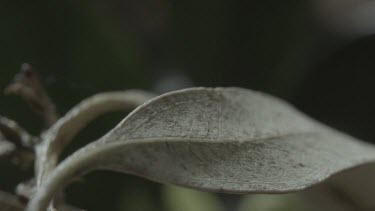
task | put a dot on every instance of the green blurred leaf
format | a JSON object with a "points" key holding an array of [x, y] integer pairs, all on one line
{"points": [[183, 199], [288, 202]]}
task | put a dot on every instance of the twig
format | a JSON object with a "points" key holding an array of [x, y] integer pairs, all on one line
{"points": [[6, 148], [63, 131], [27, 85], [10, 202], [48, 147], [17, 144], [16, 134], [25, 190]]}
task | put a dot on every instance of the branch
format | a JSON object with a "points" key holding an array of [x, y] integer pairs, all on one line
{"points": [[16, 134], [6, 148], [16, 143], [26, 190], [10, 202], [27, 85], [63, 131]]}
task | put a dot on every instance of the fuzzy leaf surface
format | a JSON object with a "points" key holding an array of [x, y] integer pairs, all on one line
{"points": [[218, 139]]}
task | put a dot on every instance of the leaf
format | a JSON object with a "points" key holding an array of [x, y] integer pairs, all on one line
{"points": [[286, 202], [350, 17], [358, 185], [217, 139], [347, 191], [183, 199]]}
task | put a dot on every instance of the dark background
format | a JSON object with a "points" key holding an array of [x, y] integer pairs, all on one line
{"points": [[308, 52]]}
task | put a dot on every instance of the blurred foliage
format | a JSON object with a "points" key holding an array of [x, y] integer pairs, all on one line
{"points": [[183, 199], [287, 202], [85, 47]]}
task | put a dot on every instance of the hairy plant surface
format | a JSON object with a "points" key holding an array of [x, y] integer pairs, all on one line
{"points": [[215, 139]]}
